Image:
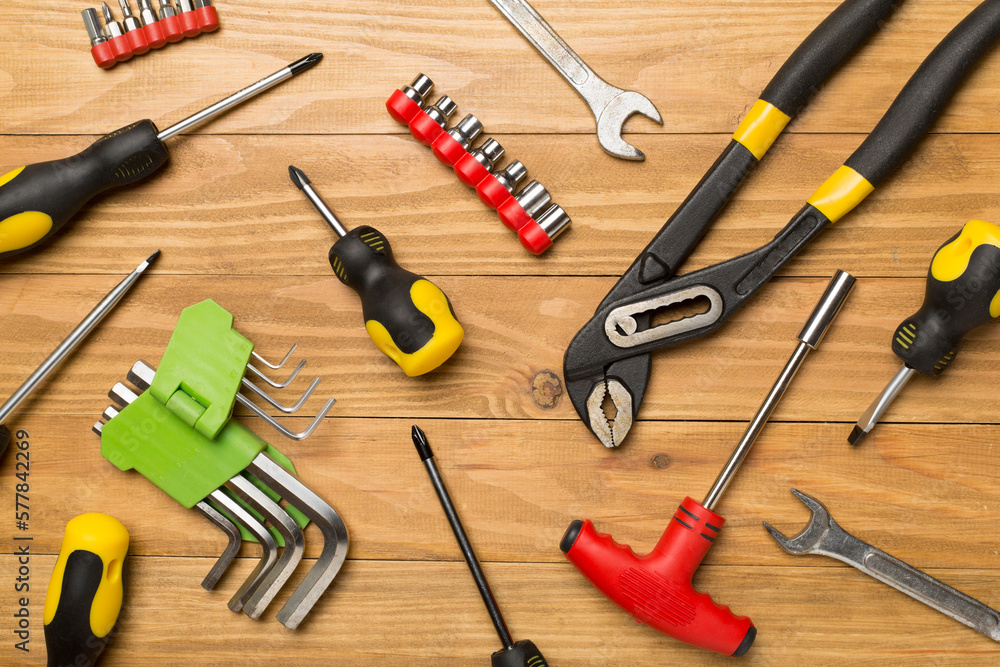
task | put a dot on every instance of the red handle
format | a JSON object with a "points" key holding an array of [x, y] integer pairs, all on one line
{"points": [[656, 588], [424, 128], [121, 48], [492, 193]]}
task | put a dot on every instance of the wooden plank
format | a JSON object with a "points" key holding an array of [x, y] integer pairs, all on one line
{"points": [[510, 365], [224, 205], [702, 62], [926, 495], [393, 614]]}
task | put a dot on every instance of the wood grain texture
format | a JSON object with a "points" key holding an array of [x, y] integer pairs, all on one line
{"points": [[415, 613], [519, 463]]}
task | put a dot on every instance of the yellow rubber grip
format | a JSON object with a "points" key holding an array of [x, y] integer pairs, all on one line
{"points": [[952, 260], [761, 127], [448, 333], [21, 230], [106, 537], [841, 193]]}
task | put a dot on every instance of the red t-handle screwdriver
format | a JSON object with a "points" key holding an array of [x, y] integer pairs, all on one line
{"points": [[656, 588]]}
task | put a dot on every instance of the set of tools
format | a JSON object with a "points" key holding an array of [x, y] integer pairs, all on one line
{"points": [[174, 425], [408, 317], [151, 29], [530, 212]]}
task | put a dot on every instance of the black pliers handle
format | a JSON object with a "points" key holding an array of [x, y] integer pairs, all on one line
{"points": [[590, 379]]}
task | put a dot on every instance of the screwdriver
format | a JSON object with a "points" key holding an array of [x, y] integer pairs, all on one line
{"points": [[520, 654], [95, 316], [86, 590], [36, 201], [408, 317], [963, 292]]}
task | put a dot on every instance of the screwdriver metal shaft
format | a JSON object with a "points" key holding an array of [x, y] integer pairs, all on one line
{"points": [[106, 305], [809, 339], [300, 65]]}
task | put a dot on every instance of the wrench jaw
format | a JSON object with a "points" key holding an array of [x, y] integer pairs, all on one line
{"points": [[611, 120], [810, 539]]}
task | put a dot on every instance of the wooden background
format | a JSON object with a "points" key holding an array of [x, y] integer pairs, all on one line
{"points": [[518, 461]]}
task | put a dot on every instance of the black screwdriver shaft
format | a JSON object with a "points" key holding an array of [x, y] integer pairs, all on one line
{"points": [[424, 449]]}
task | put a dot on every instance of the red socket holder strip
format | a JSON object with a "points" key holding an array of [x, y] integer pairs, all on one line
{"points": [[530, 212], [150, 28]]}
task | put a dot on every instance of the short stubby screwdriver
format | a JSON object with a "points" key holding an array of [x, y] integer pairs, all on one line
{"points": [[38, 200], [86, 590], [963, 292], [408, 317]]}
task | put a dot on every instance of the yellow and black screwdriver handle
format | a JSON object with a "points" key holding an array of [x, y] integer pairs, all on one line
{"points": [[86, 590], [408, 317], [38, 200], [963, 292]]}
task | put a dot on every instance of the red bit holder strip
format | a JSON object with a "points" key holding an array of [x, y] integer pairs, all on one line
{"points": [[529, 212], [116, 42]]}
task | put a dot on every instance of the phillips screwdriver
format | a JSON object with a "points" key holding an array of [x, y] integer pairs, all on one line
{"points": [[38, 200], [86, 590], [106, 305], [520, 654], [408, 317], [656, 589], [963, 292]]}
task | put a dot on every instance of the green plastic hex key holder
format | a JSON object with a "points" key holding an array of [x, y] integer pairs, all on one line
{"points": [[201, 369]]}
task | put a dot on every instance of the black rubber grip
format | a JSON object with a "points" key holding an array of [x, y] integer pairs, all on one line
{"points": [[926, 94], [928, 340], [824, 50], [363, 261], [522, 654], [60, 188], [69, 640]]}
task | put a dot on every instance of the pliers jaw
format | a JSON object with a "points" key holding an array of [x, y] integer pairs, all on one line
{"points": [[623, 384]]}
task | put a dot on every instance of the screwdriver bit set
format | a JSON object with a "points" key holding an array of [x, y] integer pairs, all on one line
{"points": [[152, 29], [174, 425], [530, 212]]}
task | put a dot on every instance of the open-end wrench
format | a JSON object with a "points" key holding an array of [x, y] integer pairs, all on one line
{"points": [[822, 536], [611, 106]]}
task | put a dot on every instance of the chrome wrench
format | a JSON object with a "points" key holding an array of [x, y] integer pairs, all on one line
{"points": [[822, 536], [611, 106]]}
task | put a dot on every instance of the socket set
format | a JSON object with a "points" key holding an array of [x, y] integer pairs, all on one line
{"points": [[530, 212], [116, 42]]}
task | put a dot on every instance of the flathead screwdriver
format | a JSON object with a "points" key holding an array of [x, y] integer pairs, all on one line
{"points": [[38, 200], [75, 337], [408, 317], [963, 293]]}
